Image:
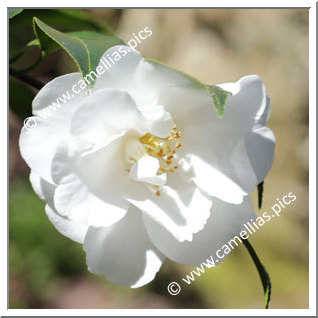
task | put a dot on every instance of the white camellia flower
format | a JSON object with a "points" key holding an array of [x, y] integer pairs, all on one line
{"points": [[141, 168]]}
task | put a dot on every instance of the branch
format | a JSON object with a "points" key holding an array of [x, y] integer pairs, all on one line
{"points": [[26, 78]]}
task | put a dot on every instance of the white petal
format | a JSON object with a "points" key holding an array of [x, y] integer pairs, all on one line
{"points": [[85, 192], [180, 95], [38, 145], [55, 90], [265, 116], [71, 229], [123, 252], [120, 74], [140, 78], [186, 102], [247, 104], [215, 183], [225, 222], [74, 230], [145, 170], [260, 146], [160, 122], [108, 113], [104, 114], [155, 77], [42, 188], [181, 207]]}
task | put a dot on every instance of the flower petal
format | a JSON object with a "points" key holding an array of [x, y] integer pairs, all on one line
{"points": [[123, 252], [108, 112], [215, 183], [54, 90], [145, 170], [74, 230], [159, 122], [104, 114], [120, 72], [225, 153], [248, 102], [85, 192], [38, 145], [181, 207], [225, 222], [260, 146], [42, 188]]}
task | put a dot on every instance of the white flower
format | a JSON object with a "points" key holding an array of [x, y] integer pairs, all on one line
{"points": [[142, 168]]}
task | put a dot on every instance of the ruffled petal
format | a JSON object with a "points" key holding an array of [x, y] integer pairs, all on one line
{"points": [[220, 146], [260, 146], [215, 183], [88, 188], [75, 231], [120, 72], [38, 145], [42, 188], [123, 252], [226, 221], [145, 170], [43, 103], [108, 113], [248, 102], [181, 207]]}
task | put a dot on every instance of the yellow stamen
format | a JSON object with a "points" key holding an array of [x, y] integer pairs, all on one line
{"points": [[161, 153], [163, 149], [178, 134]]}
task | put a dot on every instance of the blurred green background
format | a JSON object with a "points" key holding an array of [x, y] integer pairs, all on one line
{"points": [[215, 46]]}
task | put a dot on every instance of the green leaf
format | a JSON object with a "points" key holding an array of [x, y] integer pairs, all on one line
{"points": [[219, 97], [266, 282], [65, 20], [14, 12], [84, 47], [97, 44]]}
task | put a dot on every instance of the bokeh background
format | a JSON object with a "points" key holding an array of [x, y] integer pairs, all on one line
{"points": [[215, 46]]}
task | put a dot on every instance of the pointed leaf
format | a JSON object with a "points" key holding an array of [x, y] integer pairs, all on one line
{"points": [[219, 97], [84, 47], [14, 12]]}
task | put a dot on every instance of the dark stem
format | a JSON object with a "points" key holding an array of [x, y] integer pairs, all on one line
{"points": [[26, 78], [266, 282], [260, 190]]}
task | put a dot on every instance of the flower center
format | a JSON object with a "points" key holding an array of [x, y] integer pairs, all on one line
{"points": [[164, 149]]}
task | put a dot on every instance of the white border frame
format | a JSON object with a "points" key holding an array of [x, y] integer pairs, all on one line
{"points": [[312, 164]]}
